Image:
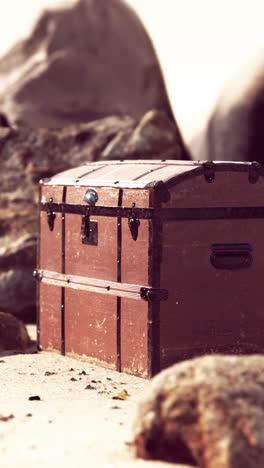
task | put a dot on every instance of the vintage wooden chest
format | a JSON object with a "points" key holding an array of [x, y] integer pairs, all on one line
{"points": [[142, 264]]}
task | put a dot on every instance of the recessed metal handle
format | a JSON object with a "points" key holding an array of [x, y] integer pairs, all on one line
{"points": [[231, 256]]}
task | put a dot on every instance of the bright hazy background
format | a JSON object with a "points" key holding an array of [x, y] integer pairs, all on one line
{"points": [[199, 44]]}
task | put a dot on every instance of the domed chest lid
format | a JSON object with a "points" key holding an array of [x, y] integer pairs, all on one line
{"points": [[142, 173]]}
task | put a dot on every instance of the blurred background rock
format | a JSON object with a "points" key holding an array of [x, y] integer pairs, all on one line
{"points": [[84, 85], [82, 63]]}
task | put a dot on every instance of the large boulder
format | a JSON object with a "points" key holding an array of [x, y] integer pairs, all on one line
{"points": [[208, 412], [82, 63], [59, 90], [27, 155], [235, 128]]}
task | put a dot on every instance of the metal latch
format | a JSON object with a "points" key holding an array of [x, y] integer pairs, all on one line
{"points": [[154, 294], [133, 223], [89, 229], [85, 227], [51, 216]]}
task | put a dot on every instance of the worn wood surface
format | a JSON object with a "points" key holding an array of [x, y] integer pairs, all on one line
{"points": [[211, 309], [95, 325], [50, 259], [50, 318]]}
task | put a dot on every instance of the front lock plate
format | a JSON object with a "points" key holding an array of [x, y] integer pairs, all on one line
{"points": [[92, 239]]}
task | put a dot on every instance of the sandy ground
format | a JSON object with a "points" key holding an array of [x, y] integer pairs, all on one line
{"points": [[76, 422]]}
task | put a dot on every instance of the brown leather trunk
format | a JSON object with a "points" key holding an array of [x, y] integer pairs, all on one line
{"points": [[162, 262]]}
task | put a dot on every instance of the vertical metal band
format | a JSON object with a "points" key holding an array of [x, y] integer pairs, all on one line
{"points": [[155, 240], [38, 282], [119, 279], [63, 230]]}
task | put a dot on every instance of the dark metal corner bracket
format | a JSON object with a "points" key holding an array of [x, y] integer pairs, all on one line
{"points": [[254, 172], [153, 294], [209, 171]]}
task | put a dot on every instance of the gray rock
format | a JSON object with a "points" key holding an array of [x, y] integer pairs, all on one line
{"points": [[207, 412], [154, 137], [13, 334], [3, 120], [18, 293], [20, 254], [235, 128], [80, 64]]}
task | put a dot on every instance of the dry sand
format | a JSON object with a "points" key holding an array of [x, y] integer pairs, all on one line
{"points": [[71, 425]]}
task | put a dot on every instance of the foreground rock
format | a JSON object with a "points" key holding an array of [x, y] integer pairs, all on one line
{"points": [[27, 155], [207, 412], [80, 64], [13, 334]]}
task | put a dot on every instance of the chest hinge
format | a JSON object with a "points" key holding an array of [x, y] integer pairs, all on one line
{"points": [[51, 216], [209, 171], [133, 223]]}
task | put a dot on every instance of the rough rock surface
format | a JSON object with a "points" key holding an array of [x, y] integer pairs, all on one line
{"points": [[155, 135], [27, 155], [207, 412], [80, 66], [235, 129], [82, 63], [13, 333]]}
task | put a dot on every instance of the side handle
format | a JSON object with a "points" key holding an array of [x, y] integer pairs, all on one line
{"points": [[231, 256]]}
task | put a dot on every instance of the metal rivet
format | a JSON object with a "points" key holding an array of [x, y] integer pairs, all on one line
{"points": [[90, 197]]}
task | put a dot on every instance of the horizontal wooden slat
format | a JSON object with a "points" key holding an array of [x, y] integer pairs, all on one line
{"points": [[90, 284]]}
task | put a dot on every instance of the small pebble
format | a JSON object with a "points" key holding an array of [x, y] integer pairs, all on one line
{"points": [[6, 418]]}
